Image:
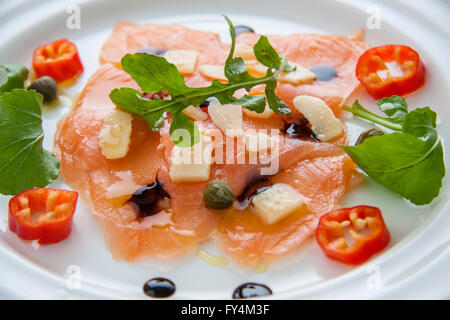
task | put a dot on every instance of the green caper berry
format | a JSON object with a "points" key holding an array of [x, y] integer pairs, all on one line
{"points": [[218, 195], [47, 87], [367, 134]]}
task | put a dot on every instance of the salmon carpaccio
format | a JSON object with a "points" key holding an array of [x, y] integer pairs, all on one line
{"points": [[318, 170], [311, 50]]}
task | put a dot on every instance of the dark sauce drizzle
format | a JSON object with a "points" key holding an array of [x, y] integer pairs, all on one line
{"points": [[299, 129], [251, 289], [159, 288], [255, 185], [206, 103], [154, 51], [147, 200], [241, 29], [324, 72]]}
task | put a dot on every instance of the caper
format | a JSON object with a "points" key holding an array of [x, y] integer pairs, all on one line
{"points": [[218, 195], [47, 87], [367, 134]]}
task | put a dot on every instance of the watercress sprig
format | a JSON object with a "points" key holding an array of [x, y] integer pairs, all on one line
{"points": [[153, 73], [409, 160], [24, 164], [12, 76]]}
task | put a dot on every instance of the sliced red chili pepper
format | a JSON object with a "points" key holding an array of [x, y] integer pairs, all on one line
{"points": [[390, 70], [42, 214], [58, 59], [367, 231]]}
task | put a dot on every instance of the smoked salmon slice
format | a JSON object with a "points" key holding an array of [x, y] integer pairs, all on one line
{"points": [[318, 170], [322, 181], [311, 50], [129, 37], [102, 182]]}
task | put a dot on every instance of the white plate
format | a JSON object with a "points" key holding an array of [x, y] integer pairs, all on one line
{"points": [[415, 265]]}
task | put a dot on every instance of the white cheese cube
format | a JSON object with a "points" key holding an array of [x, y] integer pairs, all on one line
{"points": [[192, 164], [114, 137], [213, 71], [277, 202], [267, 113], [255, 67], [323, 122], [184, 60], [244, 51], [195, 113], [299, 75], [227, 117], [259, 142], [189, 173]]}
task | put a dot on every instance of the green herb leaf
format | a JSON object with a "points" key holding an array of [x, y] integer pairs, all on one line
{"points": [[12, 76], [358, 110], [266, 54], [275, 103], [153, 74], [183, 131], [131, 100], [409, 161], [253, 103], [394, 107], [289, 68], [24, 164], [235, 69], [403, 163], [421, 123]]}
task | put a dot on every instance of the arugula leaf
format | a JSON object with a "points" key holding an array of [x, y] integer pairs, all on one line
{"points": [[266, 54], [152, 111], [183, 131], [275, 103], [153, 74], [408, 161], [24, 164], [253, 103], [12, 76], [235, 69]]}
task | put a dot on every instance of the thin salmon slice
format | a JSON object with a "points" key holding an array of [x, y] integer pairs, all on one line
{"points": [[105, 185], [322, 181], [239, 174], [311, 50], [102, 182], [318, 170], [130, 38]]}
